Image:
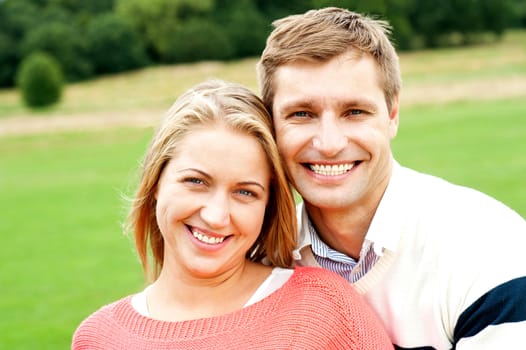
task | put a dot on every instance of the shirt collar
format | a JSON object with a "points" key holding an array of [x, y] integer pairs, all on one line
{"points": [[386, 225], [304, 238]]}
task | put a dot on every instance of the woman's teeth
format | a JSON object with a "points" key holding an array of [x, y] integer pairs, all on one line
{"points": [[207, 239], [331, 170]]}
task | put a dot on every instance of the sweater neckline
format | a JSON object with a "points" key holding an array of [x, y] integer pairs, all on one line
{"points": [[128, 318]]}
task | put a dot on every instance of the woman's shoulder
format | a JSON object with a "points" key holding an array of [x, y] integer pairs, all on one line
{"points": [[321, 277], [102, 320], [316, 283], [330, 302], [109, 309]]}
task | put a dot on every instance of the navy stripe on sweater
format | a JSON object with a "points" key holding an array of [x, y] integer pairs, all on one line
{"points": [[503, 304]]}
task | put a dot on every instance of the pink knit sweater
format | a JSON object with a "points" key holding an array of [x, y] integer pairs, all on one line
{"points": [[315, 309]]}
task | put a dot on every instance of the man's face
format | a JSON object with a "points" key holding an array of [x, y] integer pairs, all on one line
{"points": [[334, 130]]}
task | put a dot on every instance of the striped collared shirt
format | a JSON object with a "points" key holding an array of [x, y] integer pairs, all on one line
{"points": [[345, 266]]}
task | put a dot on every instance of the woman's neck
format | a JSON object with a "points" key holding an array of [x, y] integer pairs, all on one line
{"points": [[178, 296]]}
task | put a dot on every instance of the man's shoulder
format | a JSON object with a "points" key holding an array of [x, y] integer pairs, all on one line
{"points": [[429, 189]]}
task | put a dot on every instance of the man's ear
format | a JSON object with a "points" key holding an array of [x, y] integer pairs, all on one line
{"points": [[394, 116]]}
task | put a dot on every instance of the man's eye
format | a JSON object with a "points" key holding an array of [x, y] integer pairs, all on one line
{"points": [[355, 111], [300, 114]]}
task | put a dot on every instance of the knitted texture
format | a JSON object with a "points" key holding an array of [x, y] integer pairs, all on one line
{"points": [[315, 309]]}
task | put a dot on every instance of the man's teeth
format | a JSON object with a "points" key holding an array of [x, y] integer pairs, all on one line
{"points": [[207, 239], [331, 170]]}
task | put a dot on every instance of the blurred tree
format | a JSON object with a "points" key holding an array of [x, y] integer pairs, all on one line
{"points": [[81, 12], [198, 39], [8, 60], [91, 6], [518, 9], [396, 12], [17, 17], [157, 21], [274, 9], [246, 27], [62, 42], [176, 30], [113, 45], [497, 15]]}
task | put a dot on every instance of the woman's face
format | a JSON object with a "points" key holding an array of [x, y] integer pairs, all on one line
{"points": [[211, 200]]}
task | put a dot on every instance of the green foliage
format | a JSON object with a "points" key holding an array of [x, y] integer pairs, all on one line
{"points": [[91, 6], [8, 60], [198, 39], [518, 8], [274, 9], [40, 80], [161, 28], [18, 17], [114, 46], [64, 43], [158, 21], [440, 25], [246, 27]]}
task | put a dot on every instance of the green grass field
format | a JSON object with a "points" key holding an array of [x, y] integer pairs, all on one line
{"points": [[62, 194]]}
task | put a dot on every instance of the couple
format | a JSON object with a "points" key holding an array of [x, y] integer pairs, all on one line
{"points": [[422, 263]]}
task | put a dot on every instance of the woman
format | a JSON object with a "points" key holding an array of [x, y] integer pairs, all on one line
{"points": [[213, 201]]}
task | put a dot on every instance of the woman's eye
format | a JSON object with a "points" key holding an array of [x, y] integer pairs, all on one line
{"points": [[194, 180], [247, 193]]}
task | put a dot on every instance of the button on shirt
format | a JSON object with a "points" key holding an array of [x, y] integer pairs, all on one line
{"points": [[344, 265]]}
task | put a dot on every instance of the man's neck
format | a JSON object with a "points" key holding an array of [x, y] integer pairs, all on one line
{"points": [[341, 231]]}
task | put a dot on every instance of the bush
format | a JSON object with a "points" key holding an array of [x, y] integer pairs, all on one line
{"points": [[39, 79]]}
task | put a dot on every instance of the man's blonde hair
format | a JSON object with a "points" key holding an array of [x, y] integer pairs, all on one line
{"points": [[320, 35]]}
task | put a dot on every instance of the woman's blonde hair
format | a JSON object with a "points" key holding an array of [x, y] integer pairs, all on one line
{"points": [[209, 104], [320, 35]]}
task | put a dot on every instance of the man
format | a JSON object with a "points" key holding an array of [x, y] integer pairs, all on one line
{"points": [[443, 265]]}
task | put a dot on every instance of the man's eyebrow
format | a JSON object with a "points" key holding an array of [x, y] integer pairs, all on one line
{"points": [[362, 103], [295, 105]]}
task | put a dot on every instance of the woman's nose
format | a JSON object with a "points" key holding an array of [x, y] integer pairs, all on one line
{"points": [[216, 211]]}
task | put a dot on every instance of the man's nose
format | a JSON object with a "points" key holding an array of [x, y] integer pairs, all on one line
{"points": [[330, 139]]}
